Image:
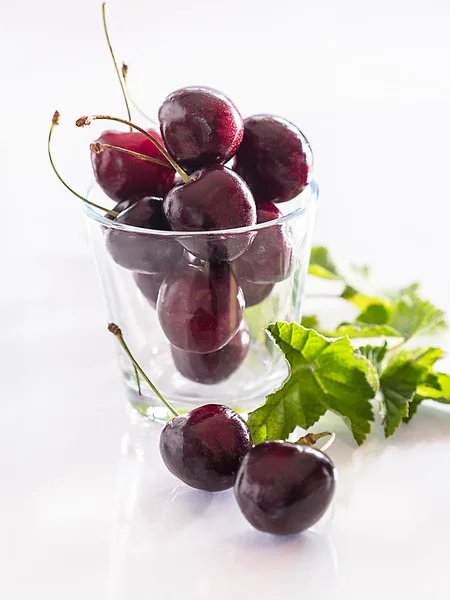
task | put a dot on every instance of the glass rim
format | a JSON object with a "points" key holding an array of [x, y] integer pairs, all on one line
{"points": [[312, 195]]}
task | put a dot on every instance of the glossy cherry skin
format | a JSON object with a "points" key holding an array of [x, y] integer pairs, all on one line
{"points": [[254, 293], [205, 447], [275, 158], [269, 259], [217, 199], [146, 252], [284, 488], [200, 126], [214, 367], [200, 309], [125, 177]]}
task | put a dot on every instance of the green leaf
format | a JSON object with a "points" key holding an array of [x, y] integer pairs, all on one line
{"points": [[310, 321], [375, 354], [359, 330], [321, 265], [437, 387], [399, 381], [324, 375], [414, 316], [359, 299], [377, 313]]}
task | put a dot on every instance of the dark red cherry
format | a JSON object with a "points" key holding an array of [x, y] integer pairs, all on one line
{"points": [[274, 158], [200, 126], [200, 310], [144, 252], [284, 488], [217, 199], [125, 177], [149, 285], [254, 293], [270, 257], [215, 366], [205, 447]]}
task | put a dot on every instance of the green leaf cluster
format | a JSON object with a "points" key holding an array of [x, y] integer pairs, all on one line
{"points": [[327, 373]]}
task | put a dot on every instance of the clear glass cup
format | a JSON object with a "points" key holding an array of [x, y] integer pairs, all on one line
{"points": [[196, 326]]}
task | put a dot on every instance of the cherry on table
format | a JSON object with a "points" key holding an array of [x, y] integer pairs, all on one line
{"points": [[143, 252], [274, 158], [124, 177], [284, 488], [200, 126], [205, 447], [269, 259], [214, 367], [200, 309], [216, 199]]}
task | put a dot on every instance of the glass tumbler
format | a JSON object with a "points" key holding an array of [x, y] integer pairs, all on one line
{"points": [[193, 307]]}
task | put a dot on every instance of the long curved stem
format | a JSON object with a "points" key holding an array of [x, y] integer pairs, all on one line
{"points": [[97, 147], [108, 41], [55, 122], [115, 330], [84, 121]]}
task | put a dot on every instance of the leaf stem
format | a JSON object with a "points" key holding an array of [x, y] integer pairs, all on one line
{"points": [[105, 27], [97, 148], [87, 120], [55, 122], [115, 330]]}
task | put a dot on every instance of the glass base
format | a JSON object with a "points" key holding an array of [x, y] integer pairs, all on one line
{"points": [[244, 391]]}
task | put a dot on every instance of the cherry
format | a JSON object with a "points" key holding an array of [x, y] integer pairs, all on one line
{"points": [[123, 176], [274, 158], [270, 257], [149, 285], [254, 293], [200, 126], [144, 252], [205, 447], [284, 488], [200, 310], [215, 366], [216, 199]]}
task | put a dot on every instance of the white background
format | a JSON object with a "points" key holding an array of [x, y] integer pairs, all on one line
{"points": [[82, 515]]}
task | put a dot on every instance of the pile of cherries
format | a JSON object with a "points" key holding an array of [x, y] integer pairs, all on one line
{"points": [[201, 280], [281, 488]]}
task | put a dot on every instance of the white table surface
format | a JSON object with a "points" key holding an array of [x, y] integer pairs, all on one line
{"points": [[86, 508]]}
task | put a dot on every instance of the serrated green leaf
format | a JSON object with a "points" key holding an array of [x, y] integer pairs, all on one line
{"points": [[321, 265], [399, 382], [310, 321], [414, 316], [375, 354], [324, 375], [359, 330], [437, 387]]}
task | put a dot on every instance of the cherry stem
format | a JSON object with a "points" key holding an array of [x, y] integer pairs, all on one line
{"points": [[130, 97], [138, 381], [105, 27], [115, 330], [97, 147], [55, 122], [84, 121], [311, 438]]}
